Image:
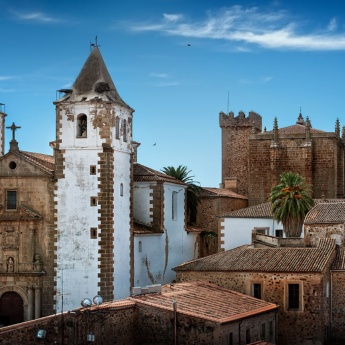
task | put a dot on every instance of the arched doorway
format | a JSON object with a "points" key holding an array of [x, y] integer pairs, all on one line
{"points": [[11, 308]]}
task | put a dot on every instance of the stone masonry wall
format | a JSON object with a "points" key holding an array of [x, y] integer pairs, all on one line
{"points": [[210, 208], [313, 232], [235, 145], [108, 326], [106, 217], [157, 327], [338, 303], [311, 320], [316, 160]]}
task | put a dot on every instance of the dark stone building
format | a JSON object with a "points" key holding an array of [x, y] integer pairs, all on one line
{"points": [[252, 160]]}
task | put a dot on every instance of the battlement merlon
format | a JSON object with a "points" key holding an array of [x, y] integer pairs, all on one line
{"points": [[240, 120]]}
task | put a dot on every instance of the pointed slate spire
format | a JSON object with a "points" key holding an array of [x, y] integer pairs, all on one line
{"points": [[94, 81]]}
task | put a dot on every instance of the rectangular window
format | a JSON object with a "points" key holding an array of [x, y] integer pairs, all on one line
{"points": [[174, 205], [263, 331], [231, 339], [93, 201], [92, 169], [293, 296], [262, 231], [124, 130], [271, 330], [93, 233], [257, 290], [11, 200], [117, 128], [248, 336], [279, 233]]}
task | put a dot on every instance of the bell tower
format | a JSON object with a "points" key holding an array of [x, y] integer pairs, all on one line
{"points": [[93, 159]]}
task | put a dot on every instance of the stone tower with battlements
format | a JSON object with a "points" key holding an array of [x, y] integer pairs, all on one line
{"points": [[236, 132]]}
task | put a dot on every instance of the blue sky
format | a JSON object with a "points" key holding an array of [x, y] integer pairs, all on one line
{"points": [[178, 63]]}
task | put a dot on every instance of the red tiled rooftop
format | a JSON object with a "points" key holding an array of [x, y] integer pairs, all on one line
{"points": [[264, 210], [339, 262], [45, 162], [142, 173], [327, 212], [206, 301], [246, 258]]}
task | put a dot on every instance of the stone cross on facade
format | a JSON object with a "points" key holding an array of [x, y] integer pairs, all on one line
{"points": [[13, 128]]}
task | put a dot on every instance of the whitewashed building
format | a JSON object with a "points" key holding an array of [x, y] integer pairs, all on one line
{"points": [[236, 228], [161, 238]]}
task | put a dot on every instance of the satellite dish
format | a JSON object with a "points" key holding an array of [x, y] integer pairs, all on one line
{"points": [[86, 303], [98, 300]]}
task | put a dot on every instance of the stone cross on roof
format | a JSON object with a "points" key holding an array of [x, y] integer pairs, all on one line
{"points": [[13, 128]]}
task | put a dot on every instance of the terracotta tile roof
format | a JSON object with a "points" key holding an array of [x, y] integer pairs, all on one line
{"points": [[246, 258], [142, 173], [43, 161], [264, 210], [256, 211], [327, 213], [339, 262], [219, 192], [206, 301], [191, 228]]}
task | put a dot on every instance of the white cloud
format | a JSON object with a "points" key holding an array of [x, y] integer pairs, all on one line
{"points": [[159, 75], [4, 77], [34, 17], [260, 80], [172, 17], [270, 30]]}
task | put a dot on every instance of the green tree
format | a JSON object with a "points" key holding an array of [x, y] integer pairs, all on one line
{"points": [[182, 174], [291, 200]]}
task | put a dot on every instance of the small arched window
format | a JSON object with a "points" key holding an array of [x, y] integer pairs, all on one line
{"points": [[140, 247], [117, 128], [82, 126], [121, 189]]}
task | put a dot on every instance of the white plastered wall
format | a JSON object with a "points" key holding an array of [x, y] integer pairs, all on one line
{"points": [[162, 252]]}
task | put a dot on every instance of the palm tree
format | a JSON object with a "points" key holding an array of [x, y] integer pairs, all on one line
{"points": [[291, 200], [181, 173]]}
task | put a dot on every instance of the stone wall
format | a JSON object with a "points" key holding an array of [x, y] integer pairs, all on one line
{"points": [[157, 327], [313, 232], [210, 208], [312, 320], [338, 303], [108, 327], [235, 145]]}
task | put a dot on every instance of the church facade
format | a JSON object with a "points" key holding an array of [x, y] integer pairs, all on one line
{"points": [[253, 160]]}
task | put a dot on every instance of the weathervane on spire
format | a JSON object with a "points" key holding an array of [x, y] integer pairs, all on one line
{"points": [[94, 44]]}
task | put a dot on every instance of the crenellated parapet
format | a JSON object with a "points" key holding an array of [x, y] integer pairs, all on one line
{"points": [[252, 120]]}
